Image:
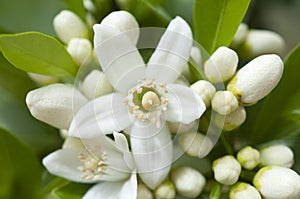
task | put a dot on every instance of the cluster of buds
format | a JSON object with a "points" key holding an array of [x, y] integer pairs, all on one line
{"points": [[273, 180], [245, 87], [254, 42]]}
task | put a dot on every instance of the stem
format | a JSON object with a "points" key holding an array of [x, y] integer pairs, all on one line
{"points": [[57, 182], [226, 144]]}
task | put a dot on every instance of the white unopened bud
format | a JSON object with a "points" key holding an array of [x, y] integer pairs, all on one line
{"points": [[224, 102], [226, 170], [205, 90], [194, 144], [79, 49], [43, 79], [188, 181], [143, 192], [177, 127], [55, 104], [221, 65], [243, 190], [124, 22], [166, 190], [275, 182], [68, 25], [89, 6], [256, 79], [279, 155], [248, 157], [96, 84], [240, 35], [235, 119], [259, 42]]}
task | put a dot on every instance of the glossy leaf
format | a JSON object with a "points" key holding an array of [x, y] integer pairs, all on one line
{"points": [[19, 170], [279, 115], [77, 7], [216, 21], [38, 53], [71, 190]]}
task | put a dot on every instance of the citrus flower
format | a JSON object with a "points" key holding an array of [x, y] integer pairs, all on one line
{"points": [[144, 98]]}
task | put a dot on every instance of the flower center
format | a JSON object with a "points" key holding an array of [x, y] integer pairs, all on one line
{"points": [[150, 100], [146, 101], [93, 166]]}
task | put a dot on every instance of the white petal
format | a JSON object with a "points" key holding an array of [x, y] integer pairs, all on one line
{"points": [[107, 190], [55, 104], [172, 52], [129, 189], [102, 115], [152, 151], [184, 104], [118, 57], [122, 145]]}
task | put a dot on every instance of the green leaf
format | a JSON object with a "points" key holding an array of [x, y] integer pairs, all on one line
{"points": [[19, 170], [216, 21], [279, 114], [77, 7], [216, 192], [158, 10], [38, 53], [71, 190]]}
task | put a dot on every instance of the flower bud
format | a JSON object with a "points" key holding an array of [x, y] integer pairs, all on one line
{"points": [[240, 35], [79, 49], [143, 192], [243, 190], [224, 102], [221, 65], [205, 90], [226, 170], [89, 6], [96, 84], [124, 22], [233, 120], [68, 25], [43, 79], [248, 157], [279, 155], [259, 42], [166, 190], [177, 127], [188, 181], [256, 79], [194, 144], [55, 104], [275, 182]]}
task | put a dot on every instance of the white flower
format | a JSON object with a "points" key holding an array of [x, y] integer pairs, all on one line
{"points": [[55, 104], [144, 97], [143, 192], [278, 154], [166, 190], [275, 182], [177, 127], [248, 157], [68, 25], [221, 65], [194, 144], [240, 35], [196, 56], [227, 170], [188, 181], [79, 49], [124, 22], [260, 42], [256, 79], [243, 190], [99, 160], [96, 84], [205, 89], [224, 102]]}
